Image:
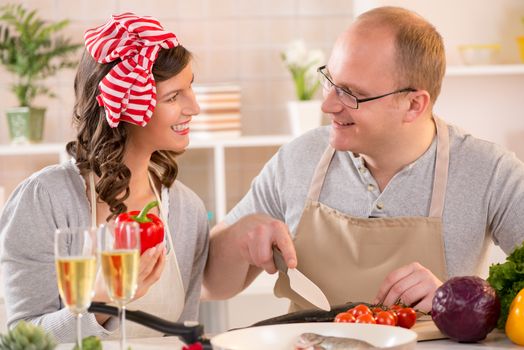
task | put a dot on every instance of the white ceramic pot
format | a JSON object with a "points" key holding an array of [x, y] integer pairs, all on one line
{"points": [[304, 116]]}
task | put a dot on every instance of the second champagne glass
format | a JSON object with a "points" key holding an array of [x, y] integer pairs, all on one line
{"points": [[120, 256]]}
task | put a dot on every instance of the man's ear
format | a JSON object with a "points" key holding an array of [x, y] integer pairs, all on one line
{"points": [[419, 102]]}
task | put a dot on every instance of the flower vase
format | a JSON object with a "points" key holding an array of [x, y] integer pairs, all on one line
{"points": [[304, 116]]}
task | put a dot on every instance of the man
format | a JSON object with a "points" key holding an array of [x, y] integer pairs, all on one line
{"points": [[388, 201]]}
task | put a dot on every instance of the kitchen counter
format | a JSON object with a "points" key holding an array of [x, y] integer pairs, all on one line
{"points": [[172, 343], [496, 340]]}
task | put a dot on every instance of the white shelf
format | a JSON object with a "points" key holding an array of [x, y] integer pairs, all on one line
{"points": [[195, 143], [242, 141], [218, 145], [35, 149], [476, 70]]}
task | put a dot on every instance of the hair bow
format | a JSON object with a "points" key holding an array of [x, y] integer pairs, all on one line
{"points": [[128, 91]]}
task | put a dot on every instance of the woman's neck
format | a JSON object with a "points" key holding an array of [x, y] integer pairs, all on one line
{"points": [[138, 164]]}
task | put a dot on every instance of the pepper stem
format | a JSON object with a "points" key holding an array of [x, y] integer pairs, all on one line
{"points": [[142, 217]]}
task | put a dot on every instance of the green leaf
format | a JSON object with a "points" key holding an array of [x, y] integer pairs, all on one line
{"points": [[33, 50], [90, 343], [507, 279]]}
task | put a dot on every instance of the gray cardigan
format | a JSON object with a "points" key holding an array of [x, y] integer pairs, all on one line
{"points": [[56, 197]]}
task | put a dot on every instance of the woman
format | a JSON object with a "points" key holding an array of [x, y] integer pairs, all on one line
{"points": [[133, 106]]}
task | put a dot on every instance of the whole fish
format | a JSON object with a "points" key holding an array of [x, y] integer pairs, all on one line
{"points": [[312, 341]]}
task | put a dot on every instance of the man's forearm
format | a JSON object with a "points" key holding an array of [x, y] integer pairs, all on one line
{"points": [[227, 273]]}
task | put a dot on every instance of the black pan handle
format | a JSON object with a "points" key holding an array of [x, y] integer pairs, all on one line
{"points": [[190, 332]]}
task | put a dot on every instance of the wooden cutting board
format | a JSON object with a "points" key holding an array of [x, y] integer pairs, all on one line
{"points": [[427, 330]]}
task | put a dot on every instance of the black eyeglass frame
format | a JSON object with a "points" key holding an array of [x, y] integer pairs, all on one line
{"points": [[339, 89]]}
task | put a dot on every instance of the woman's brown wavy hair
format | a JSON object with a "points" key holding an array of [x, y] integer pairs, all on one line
{"points": [[100, 148]]}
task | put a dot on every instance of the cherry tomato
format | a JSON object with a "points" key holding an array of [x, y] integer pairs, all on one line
{"points": [[360, 309], [406, 317], [345, 317], [385, 317], [376, 310], [395, 316], [396, 307], [366, 318]]}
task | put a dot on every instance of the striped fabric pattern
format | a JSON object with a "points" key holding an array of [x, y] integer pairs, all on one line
{"points": [[128, 91]]}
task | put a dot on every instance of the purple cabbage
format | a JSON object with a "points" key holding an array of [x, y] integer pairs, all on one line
{"points": [[465, 308]]}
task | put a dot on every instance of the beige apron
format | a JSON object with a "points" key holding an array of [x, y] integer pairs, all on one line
{"points": [[349, 257], [166, 297]]}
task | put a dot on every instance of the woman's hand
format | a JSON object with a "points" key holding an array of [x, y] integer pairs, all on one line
{"points": [[151, 266]]}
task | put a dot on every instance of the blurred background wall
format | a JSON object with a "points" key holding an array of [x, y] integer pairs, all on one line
{"points": [[232, 40]]}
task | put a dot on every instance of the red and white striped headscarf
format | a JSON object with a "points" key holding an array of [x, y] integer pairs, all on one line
{"points": [[128, 91]]}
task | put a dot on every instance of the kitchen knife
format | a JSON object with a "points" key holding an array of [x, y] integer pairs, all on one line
{"points": [[300, 283]]}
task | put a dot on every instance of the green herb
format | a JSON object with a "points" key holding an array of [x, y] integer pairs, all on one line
{"points": [[508, 279], [90, 343], [27, 336]]}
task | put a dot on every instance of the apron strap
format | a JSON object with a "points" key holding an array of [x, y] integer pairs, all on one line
{"points": [[320, 174], [170, 246], [92, 192], [440, 177], [162, 213]]}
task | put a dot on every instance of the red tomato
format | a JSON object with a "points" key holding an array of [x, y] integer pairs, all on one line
{"points": [[376, 310], [360, 309], [407, 317], [395, 307], [366, 318], [345, 317], [395, 316], [385, 317]]}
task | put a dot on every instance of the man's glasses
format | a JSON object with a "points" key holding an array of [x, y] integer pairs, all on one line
{"points": [[345, 96]]}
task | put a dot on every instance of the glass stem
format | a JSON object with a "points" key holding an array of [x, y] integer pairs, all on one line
{"points": [[79, 331], [122, 315]]}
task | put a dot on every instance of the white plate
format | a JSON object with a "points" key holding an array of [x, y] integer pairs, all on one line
{"points": [[284, 336]]}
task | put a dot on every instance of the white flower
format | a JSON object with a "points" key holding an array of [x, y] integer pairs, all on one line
{"points": [[295, 53], [303, 66]]}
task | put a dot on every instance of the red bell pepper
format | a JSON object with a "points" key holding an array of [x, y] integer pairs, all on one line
{"points": [[151, 227]]}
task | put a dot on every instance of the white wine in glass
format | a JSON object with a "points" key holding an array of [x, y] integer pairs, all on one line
{"points": [[120, 258], [75, 259], [120, 269]]}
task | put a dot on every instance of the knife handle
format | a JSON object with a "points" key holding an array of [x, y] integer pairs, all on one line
{"points": [[280, 263]]}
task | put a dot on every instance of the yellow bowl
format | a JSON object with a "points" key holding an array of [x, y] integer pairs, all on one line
{"points": [[520, 42], [479, 53]]}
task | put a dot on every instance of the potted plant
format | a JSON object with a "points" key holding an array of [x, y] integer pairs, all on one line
{"points": [[32, 52], [304, 113]]}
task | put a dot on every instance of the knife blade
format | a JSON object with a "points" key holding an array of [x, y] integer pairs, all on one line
{"points": [[300, 283]]}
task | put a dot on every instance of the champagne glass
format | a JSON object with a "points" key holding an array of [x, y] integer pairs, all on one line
{"points": [[120, 256], [75, 259]]}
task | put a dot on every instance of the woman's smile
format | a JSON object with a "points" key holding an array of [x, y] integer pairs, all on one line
{"points": [[181, 128]]}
